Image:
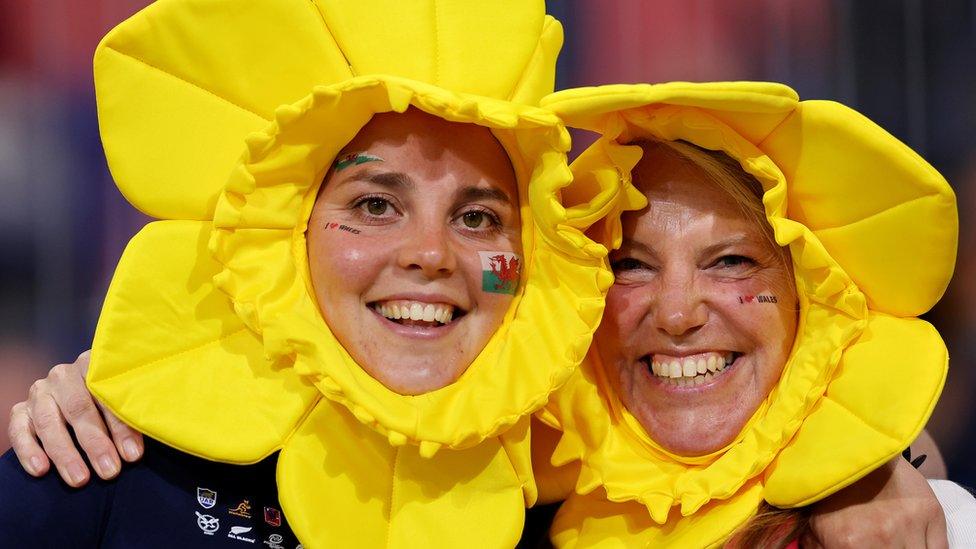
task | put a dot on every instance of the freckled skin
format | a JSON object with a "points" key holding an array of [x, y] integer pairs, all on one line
{"points": [[677, 294], [418, 244]]}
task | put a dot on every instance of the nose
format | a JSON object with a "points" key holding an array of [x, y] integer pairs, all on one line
{"points": [[427, 249], [679, 309]]}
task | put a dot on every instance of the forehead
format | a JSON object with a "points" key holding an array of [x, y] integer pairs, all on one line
{"points": [[433, 147], [678, 191]]}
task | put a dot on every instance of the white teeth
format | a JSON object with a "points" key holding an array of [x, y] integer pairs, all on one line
{"points": [[413, 310], [691, 371]]}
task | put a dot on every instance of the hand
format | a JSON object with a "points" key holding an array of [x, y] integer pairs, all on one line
{"points": [[893, 506], [54, 403]]}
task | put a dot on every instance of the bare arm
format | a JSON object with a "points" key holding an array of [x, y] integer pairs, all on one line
{"points": [[924, 454], [893, 506]]}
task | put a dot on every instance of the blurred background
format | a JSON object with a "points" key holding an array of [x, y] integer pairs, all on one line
{"points": [[907, 64]]}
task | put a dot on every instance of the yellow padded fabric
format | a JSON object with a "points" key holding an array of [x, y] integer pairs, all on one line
{"points": [[856, 208], [185, 323], [222, 118], [202, 96], [437, 42]]}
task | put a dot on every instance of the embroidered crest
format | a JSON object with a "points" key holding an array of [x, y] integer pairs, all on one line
{"points": [[243, 509], [207, 523], [272, 516], [206, 497]]}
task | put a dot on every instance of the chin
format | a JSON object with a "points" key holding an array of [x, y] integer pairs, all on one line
{"points": [[693, 444], [411, 380], [704, 437]]}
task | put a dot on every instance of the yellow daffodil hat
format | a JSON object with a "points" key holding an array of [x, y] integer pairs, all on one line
{"points": [[221, 118], [872, 231]]}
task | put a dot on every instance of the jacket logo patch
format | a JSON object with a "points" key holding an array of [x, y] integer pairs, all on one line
{"points": [[207, 523], [206, 497], [243, 509], [272, 516]]}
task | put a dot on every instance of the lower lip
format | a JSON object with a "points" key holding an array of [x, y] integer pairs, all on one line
{"points": [[718, 378], [415, 332]]}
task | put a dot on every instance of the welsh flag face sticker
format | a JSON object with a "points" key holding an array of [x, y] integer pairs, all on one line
{"points": [[500, 272], [355, 159]]}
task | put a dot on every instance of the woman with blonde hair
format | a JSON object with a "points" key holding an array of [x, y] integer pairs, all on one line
{"points": [[760, 347]]}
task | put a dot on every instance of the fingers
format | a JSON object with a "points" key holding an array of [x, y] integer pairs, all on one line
{"points": [[53, 433], [78, 408], [21, 432], [128, 441]]}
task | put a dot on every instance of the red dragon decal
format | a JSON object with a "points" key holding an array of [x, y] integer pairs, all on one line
{"points": [[507, 271]]}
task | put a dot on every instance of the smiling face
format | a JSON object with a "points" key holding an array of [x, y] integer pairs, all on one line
{"points": [[394, 241], [702, 314]]}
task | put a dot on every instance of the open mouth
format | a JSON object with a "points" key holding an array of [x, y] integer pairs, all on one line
{"points": [[690, 371], [417, 313]]}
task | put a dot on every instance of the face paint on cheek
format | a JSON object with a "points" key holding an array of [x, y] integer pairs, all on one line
{"points": [[354, 159], [500, 272], [333, 226], [769, 298]]}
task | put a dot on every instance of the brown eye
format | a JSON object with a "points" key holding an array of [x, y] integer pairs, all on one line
{"points": [[377, 206], [474, 220]]}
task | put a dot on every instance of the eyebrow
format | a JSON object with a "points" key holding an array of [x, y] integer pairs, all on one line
{"points": [[400, 180], [727, 243], [473, 194], [390, 180], [632, 246]]}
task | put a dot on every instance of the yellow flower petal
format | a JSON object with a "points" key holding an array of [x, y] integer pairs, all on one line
{"points": [[367, 493], [181, 83], [172, 358]]}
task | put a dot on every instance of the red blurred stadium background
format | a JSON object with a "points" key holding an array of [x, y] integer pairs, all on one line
{"points": [[908, 64]]}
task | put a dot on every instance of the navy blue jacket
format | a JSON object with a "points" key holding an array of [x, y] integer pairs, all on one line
{"points": [[168, 499]]}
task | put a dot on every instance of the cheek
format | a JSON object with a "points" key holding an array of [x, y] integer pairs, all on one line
{"points": [[494, 303], [626, 308], [342, 264], [761, 319], [760, 311]]}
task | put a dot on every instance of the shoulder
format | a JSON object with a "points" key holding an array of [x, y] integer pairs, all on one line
{"points": [[41, 512]]}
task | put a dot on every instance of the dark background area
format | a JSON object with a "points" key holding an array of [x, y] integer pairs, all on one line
{"points": [[907, 64]]}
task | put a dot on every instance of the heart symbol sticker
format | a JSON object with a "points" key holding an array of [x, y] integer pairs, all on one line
{"points": [[749, 298]]}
